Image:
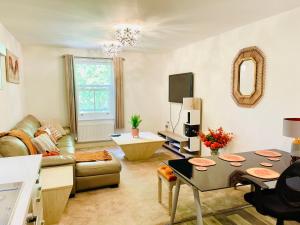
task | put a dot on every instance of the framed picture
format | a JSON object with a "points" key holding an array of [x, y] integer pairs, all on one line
{"points": [[12, 68], [2, 64]]}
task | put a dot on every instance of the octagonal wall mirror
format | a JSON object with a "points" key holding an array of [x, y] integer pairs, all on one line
{"points": [[248, 77]]}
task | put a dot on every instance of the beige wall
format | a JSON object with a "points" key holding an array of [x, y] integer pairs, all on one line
{"points": [[211, 62], [12, 107], [146, 82], [45, 84]]}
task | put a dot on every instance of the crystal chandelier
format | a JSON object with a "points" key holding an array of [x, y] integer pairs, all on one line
{"points": [[111, 48], [127, 34]]}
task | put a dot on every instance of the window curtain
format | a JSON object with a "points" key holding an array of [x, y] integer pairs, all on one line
{"points": [[71, 98], [118, 69]]}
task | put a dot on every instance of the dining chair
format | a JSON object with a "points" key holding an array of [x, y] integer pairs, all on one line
{"points": [[281, 202]]}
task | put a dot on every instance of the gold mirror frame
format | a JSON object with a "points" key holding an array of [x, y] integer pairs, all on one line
{"points": [[255, 54]]}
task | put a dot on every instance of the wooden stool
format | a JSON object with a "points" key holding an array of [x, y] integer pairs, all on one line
{"points": [[165, 173]]}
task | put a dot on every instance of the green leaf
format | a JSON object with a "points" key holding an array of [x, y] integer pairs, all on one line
{"points": [[135, 121]]}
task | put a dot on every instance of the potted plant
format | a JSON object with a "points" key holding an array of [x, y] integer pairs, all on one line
{"points": [[135, 121], [216, 139]]}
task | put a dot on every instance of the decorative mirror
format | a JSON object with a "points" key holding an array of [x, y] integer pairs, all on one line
{"points": [[248, 77]]}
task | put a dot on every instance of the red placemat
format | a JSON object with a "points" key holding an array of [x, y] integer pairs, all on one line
{"points": [[268, 153], [202, 162], [263, 173], [232, 157]]}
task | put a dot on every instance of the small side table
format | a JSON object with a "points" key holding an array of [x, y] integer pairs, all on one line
{"points": [[57, 183]]}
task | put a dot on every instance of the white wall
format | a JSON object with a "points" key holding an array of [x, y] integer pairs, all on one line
{"points": [[12, 96], [46, 93], [211, 62]]}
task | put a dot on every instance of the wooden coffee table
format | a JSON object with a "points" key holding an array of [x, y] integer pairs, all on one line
{"points": [[139, 148]]}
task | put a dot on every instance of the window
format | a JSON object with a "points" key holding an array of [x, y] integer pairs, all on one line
{"points": [[94, 85]]}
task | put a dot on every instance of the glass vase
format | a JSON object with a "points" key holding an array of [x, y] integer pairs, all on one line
{"points": [[215, 152]]}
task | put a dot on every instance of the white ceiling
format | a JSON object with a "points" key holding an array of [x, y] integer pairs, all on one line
{"points": [[167, 24]]}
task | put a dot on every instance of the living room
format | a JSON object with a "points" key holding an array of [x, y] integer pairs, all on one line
{"points": [[209, 40]]}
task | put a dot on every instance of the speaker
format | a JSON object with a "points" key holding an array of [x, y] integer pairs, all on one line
{"points": [[191, 130]]}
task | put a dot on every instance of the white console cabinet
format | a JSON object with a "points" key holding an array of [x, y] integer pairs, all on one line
{"points": [[21, 191]]}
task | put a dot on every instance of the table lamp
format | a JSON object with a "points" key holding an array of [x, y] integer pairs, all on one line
{"points": [[291, 128]]}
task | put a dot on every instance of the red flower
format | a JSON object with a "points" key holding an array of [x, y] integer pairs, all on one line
{"points": [[216, 139]]}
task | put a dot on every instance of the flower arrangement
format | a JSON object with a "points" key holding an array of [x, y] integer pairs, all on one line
{"points": [[216, 139]]}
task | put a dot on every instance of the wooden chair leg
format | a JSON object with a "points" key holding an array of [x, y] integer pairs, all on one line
{"points": [[159, 189], [170, 198]]}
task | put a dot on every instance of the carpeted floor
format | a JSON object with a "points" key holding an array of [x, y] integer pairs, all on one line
{"points": [[135, 201]]}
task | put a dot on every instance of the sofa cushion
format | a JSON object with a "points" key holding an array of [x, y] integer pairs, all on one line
{"points": [[12, 146], [44, 144], [98, 168], [58, 160], [66, 141], [29, 125]]}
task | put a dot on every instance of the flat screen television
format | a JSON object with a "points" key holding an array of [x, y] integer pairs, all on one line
{"points": [[181, 86]]}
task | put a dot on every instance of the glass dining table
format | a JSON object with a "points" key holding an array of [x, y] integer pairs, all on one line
{"points": [[218, 176]]}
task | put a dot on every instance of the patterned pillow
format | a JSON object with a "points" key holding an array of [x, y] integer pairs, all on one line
{"points": [[45, 130], [55, 124], [44, 144], [54, 132]]}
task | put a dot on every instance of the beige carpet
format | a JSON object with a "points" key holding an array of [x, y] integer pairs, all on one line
{"points": [[135, 201]]}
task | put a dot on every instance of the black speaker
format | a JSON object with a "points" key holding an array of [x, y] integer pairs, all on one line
{"points": [[191, 130]]}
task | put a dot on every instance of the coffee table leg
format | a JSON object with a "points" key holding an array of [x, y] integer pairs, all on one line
{"points": [[198, 206], [175, 200]]}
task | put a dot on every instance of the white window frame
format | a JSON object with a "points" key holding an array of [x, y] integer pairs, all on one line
{"points": [[85, 116]]}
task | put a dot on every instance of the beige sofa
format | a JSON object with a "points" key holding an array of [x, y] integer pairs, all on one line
{"points": [[87, 175]]}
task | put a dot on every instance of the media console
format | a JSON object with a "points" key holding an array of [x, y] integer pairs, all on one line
{"points": [[187, 144]]}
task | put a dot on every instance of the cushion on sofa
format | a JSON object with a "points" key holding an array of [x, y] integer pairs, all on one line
{"points": [[43, 144], [54, 123], [29, 125], [66, 141], [98, 168], [12, 146], [58, 160]]}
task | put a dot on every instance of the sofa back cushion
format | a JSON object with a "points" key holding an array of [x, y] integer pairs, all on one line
{"points": [[29, 125], [12, 146]]}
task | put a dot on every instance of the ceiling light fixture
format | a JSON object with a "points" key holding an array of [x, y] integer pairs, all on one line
{"points": [[111, 48], [127, 34]]}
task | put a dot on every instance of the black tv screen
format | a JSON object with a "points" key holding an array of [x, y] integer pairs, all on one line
{"points": [[181, 86]]}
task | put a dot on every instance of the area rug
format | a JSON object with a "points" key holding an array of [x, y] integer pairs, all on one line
{"points": [[135, 201]]}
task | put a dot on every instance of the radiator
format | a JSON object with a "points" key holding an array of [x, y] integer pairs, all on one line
{"points": [[99, 130]]}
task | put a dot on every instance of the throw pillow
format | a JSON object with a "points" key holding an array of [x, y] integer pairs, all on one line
{"points": [[44, 144], [55, 124], [54, 132], [45, 130]]}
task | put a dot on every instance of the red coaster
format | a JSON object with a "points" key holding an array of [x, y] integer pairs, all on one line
{"points": [[236, 164], [266, 164], [201, 168], [273, 159]]}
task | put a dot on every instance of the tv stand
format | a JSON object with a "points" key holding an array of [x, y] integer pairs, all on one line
{"points": [[175, 142]]}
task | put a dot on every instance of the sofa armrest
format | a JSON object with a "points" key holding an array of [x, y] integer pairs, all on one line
{"points": [[58, 160], [67, 130]]}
